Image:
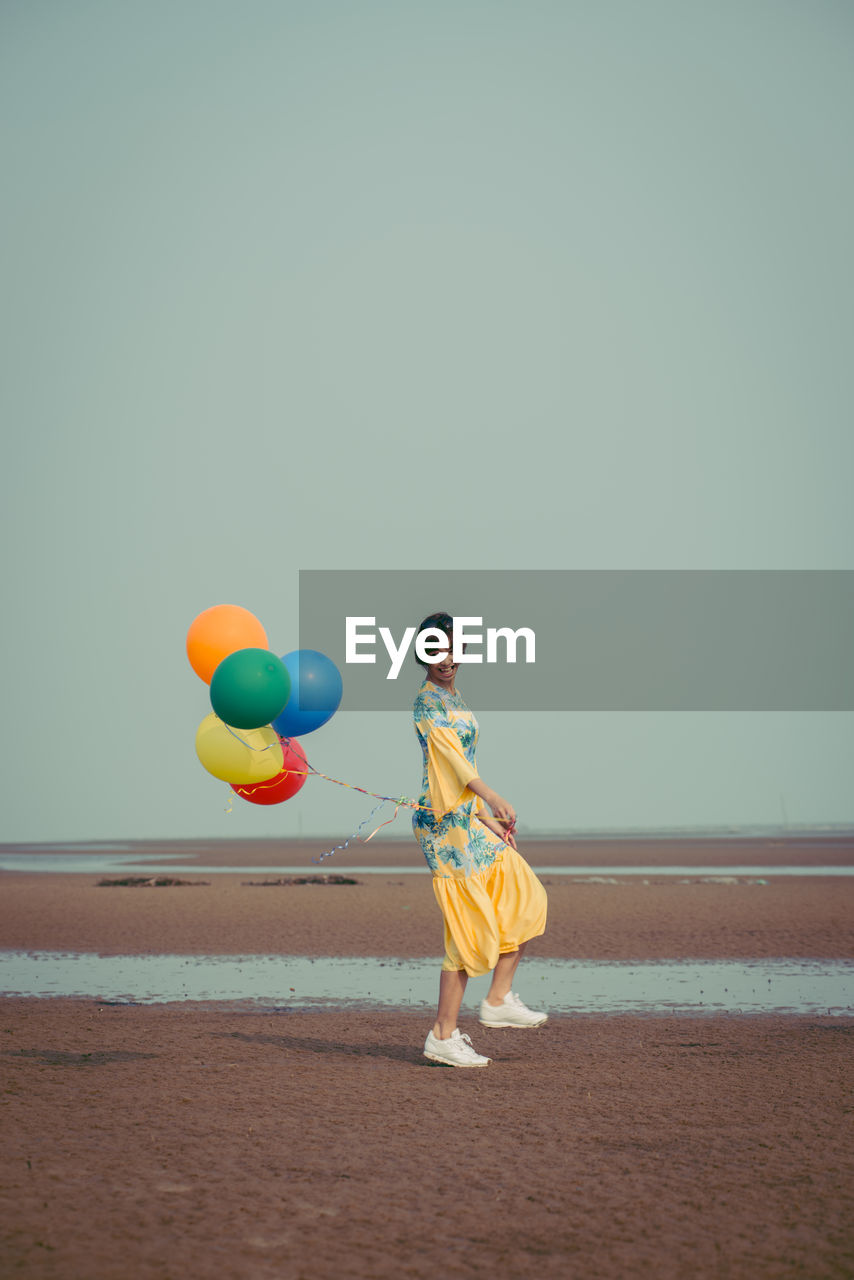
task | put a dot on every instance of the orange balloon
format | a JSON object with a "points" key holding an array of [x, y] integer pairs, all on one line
{"points": [[219, 631]]}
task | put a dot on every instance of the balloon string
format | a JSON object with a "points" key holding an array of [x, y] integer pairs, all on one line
{"points": [[356, 834], [399, 802], [310, 769]]}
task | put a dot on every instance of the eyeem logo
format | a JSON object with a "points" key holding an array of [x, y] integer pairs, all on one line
{"points": [[431, 642]]}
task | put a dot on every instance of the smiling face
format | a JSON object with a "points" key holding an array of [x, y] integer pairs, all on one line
{"points": [[443, 669]]}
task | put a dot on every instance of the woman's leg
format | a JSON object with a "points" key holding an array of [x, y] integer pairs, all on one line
{"points": [[452, 984], [502, 976]]}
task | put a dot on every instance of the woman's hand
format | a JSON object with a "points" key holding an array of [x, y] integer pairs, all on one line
{"points": [[502, 811], [504, 833]]}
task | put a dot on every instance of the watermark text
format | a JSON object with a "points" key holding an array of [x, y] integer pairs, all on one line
{"points": [[361, 635]]}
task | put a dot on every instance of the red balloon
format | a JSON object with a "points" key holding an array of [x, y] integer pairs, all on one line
{"points": [[284, 784]]}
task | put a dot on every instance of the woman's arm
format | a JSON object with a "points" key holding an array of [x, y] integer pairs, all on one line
{"points": [[501, 808]]}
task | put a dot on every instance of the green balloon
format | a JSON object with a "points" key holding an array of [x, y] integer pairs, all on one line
{"points": [[250, 688]]}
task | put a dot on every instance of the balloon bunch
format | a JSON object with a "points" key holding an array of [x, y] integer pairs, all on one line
{"points": [[260, 702]]}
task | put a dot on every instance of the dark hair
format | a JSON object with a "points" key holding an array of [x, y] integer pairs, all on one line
{"points": [[438, 622]]}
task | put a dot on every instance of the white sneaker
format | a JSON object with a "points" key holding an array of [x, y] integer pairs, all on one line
{"points": [[456, 1051], [512, 1013]]}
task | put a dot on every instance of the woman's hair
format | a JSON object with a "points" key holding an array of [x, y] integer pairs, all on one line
{"points": [[437, 622]]}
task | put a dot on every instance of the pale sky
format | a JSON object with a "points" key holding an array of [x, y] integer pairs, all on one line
{"points": [[396, 285]]}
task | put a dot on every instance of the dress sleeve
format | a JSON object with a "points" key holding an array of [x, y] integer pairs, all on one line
{"points": [[448, 771]]}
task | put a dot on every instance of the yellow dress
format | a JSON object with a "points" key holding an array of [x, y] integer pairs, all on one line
{"points": [[489, 897]]}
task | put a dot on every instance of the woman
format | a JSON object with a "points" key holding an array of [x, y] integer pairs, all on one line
{"points": [[491, 901]]}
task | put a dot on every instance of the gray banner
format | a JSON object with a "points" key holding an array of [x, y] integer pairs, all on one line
{"points": [[605, 640]]}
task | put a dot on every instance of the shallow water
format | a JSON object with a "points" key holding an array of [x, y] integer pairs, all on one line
{"points": [[158, 863], [561, 986]]}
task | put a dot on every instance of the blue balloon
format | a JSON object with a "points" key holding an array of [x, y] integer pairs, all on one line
{"points": [[316, 689]]}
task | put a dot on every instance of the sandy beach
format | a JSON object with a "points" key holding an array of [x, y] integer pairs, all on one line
{"points": [[638, 918], [196, 1140]]}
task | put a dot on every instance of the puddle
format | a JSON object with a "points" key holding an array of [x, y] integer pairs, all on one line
{"points": [[561, 986], [159, 863]]}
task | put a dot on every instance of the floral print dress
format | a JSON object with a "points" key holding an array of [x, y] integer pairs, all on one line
{"points": [[490, 899]]}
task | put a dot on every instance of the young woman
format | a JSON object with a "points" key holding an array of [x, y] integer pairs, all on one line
{"points": [[491, 901]]}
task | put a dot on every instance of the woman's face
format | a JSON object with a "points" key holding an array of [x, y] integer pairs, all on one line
{"points": [[443, 668]]}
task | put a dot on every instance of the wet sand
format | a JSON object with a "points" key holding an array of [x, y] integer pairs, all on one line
{"points": [[398, 916], [178, 1141], [816, 849], [192, 1140]]}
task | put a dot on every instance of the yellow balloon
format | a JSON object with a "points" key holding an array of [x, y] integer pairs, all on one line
{"points": [[238, 755]]}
